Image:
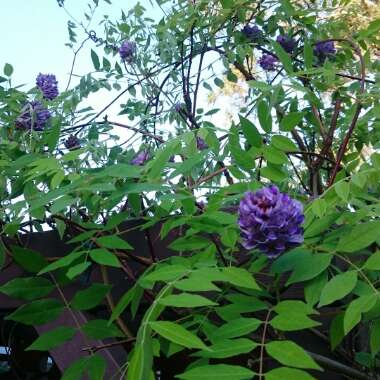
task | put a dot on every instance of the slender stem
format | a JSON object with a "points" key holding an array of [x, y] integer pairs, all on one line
{"points": [[266, 322]]}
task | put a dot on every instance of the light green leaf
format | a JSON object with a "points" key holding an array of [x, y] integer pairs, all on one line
{"points": [[283, 56], [274, 173], [273, 155], [186, 300], [289, 121], [264, 115], [338, 287], [374, 340], [113, 242], [104, 257], [342, 188], [236, 328], [52, 339], [165, 273], [240, 277], [250, 132], [61, 263], [177, 334], [373, 262], [228, 348], [354, 311], [283, 143], [285, 373], [290, 354], [361, 236]]}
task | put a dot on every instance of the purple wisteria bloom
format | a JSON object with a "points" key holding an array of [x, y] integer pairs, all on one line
{"points": [[141, 158], [48, 84], [324, 49], [201, 144], [72, 142], [34, 116], [178, 107], [127, 50], [270, 221], [252, 33], [268, 62], [287, 43]]}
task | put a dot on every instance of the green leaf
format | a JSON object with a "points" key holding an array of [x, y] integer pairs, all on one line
{"points": [[336, 332], [338, 287], [37, 312], [342, 188], [283, 56], [113, 242], [273, 155], [373, 262], [78, 269], [283, 143], [100, 329], [285, 373], [75, 370], [274, 173], [8, 70], [123, 304], [96, 367], [308, 55], [52, 339], [177, 334], [361, 236], [236, 328], [140, 365], [319, 207], [228, 348], [309, 266], [240, 277], [27, 288], [196, 283], [250, 132], [374, 340], [95, 60], [290, 354], [289, 121], [190, 243], [166, 273], [61, 263], [264, 115], [104, 257], [240, 156], [354, 311], [292, 322], [162, 158], [30, 260], [217, 372], [186, 300], [91, 297]]}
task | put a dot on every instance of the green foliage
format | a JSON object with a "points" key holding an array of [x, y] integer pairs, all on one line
{"points": [[213, 125]]}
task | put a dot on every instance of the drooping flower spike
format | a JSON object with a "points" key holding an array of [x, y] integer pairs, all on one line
{"points": [[48, 84], [34, 116], [270, 221]]}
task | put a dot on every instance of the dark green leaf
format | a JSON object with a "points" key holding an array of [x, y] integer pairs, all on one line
{"points": [[228, 348], [52, 339], [250, 132], [37, 312], [186, 300], [217, 372], [90, 297], [27, 288], [264, 115], [113, 242], [100, 329], [285, 373], [95, 60], [104, 257], [30, 260]]}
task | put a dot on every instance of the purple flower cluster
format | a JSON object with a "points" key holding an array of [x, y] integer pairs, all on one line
{"points": [[72, 142], [201, 144], [34, 116], [127, 50], [287, 43], [324, 49], [48, 84], [268, 62], [252, 33], [178, 107], [270, 221], [141, 158]]}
